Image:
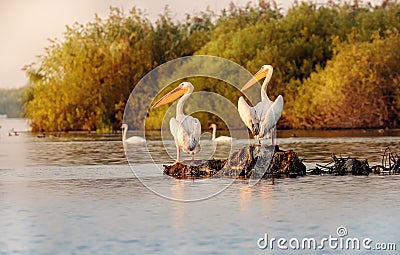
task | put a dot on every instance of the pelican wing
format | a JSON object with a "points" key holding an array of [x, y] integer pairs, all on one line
{"points": [[271, 116], [189, 132], [262, 107], [249, 116]]}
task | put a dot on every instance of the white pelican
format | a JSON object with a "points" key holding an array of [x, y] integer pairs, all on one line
{"points": [[262, 118], [132, 139], [220, 138], [185, 129]]}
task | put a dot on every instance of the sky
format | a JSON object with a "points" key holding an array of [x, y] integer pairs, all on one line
{"points": [[26, 25]]}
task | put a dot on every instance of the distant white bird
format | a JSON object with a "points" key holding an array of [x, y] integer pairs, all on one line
{"points": [[262, 118], [220, 138], [132, 139], [185, 129], [12, 132]]}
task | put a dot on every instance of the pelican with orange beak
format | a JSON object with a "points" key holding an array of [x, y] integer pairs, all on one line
{"points": [[185, 129], [262, 118]]}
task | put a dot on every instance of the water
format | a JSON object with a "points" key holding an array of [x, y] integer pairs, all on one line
{"points": [[75, 194]]}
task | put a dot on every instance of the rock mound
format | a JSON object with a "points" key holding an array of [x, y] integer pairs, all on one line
{"points": [[256, 161]]}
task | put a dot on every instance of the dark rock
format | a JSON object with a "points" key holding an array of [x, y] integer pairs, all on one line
{"points": [[316, 171], [194, 168], [345, 166], [239, 163], [286, 163], [263, 161], [377, 169], [255, 161]]}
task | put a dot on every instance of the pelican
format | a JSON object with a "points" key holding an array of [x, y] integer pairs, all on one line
{"points": [[262, 118], [220, 138], [185, 129], [132, 139]]}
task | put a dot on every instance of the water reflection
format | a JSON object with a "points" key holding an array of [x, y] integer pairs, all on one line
{"points": [[178, 212], [245, 197]]}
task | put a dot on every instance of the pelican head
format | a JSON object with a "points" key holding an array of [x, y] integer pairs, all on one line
{"points": [[183, 88], [265, 70], [213, 126]]}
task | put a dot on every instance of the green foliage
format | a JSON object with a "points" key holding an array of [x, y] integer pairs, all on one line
{"points": [[322, 57], [359, 88], [11, 102]]}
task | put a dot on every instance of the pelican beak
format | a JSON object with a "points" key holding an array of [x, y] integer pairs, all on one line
{"points": [[170, 97], [258, 76]]}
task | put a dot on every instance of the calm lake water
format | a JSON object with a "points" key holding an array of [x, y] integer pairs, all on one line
{"points": [[76, 194]]}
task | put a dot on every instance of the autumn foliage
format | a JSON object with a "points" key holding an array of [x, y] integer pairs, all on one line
{"points": [[336, 65]]}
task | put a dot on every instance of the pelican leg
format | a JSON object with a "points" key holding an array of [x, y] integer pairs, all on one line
{"points": [[258, 140], [178, 153], [192, 155], [272, 137]]}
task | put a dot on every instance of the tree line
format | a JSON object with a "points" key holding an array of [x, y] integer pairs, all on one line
{"points": [[337, 65], [11, 101]]}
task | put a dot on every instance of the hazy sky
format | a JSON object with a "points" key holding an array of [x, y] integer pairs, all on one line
{"points": [[25, 25]]}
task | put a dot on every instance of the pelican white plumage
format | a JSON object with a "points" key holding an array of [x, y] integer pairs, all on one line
{"points": [[132, 139], [185, 129], [220, 138], [262, 118]]}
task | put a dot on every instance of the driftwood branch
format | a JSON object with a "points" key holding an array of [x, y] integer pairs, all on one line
{"points": [[390, 163]]}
